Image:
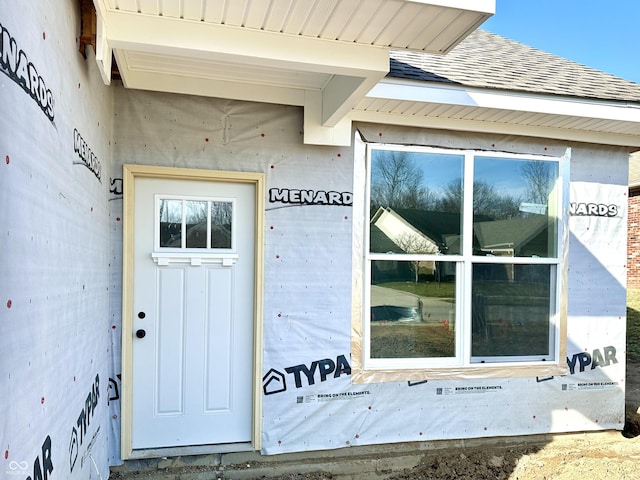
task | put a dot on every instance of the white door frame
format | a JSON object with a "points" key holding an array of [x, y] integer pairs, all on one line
{"points": [[130, 173]]}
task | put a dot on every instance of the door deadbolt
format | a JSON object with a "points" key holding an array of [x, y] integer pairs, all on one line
{"points": [[140, 333]]}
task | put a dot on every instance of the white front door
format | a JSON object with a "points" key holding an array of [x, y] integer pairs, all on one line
{"points": [[193, 312]]}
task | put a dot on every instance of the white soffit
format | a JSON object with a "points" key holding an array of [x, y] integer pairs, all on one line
{"points": [[433, 105], [321, 54]]}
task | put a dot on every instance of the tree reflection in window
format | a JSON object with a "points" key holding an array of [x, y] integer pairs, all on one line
{"points": [[408, 214], [195, 223], [511, 215]]}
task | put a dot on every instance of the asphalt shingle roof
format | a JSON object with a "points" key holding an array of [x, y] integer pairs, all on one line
{"points": [[487, 60]]}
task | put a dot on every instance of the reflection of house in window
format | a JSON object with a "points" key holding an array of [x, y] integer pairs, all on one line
{"points": [[515, 237], [414, 232]]}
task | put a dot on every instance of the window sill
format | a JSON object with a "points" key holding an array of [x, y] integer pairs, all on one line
{"points": [[541, 372]]}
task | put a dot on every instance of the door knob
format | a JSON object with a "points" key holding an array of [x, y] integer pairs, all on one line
{"points": [[140, 333], [141, 314]]}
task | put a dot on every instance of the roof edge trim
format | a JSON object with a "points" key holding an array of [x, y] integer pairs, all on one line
{"points": [[477, 126], [433, 92]]}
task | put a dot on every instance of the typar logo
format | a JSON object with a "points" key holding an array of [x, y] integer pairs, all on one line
{"points": [[74, 448], [275, 382], [596, 359], [78, 435]]}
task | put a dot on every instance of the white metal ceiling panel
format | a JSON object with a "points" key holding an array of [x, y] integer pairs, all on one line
{"points": [[278, 15], [320, 15], [379, 21], [149, 7], [364, 12], [297, 16], [126, 5], [193, 11], [342, 16], [255, 17], [400, 23], [234, 13], [172, 8], [418, 30], [446, 23], [394, 23], [213, 11]]}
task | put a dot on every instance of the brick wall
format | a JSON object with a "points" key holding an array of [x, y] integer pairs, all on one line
{"points": [[633, 240]]}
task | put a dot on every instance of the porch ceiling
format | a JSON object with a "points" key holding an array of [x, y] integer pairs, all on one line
{"points": [[324, 55]]}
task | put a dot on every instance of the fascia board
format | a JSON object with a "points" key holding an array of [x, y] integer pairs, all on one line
{"points": [[133, 31], [476, 126], [104, 53], [101, 8], [483, 6], [429, 92]]}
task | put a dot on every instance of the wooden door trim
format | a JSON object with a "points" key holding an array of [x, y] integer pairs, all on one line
{"points": [[130, 173]]}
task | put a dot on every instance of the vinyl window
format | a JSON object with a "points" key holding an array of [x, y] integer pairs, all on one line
{"points": [[463, 252]]}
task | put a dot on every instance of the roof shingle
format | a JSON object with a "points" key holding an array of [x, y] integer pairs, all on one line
{"points": [[487, 60]]}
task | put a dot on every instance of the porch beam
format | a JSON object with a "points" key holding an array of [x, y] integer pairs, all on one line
{"points": [[193, 39]]}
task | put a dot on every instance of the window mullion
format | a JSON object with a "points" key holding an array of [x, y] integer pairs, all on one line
{"points": [[467, 211], [208, 244], [463, 286], [183, 226], [467, 252]]}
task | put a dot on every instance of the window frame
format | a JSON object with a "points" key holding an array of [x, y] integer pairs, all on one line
{"points": [[463, 365]]}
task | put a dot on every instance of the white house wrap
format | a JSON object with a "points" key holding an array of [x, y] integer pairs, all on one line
{"points": [[74, 326]]}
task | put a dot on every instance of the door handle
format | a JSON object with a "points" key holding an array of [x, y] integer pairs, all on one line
{"points": [[140, 333]]}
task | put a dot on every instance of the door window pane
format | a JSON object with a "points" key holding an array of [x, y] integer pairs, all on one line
{"points": [[221, 218], [415, 202], [170, 217], [412, 319], [514, 207], [510, 310], [196, 223]]}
